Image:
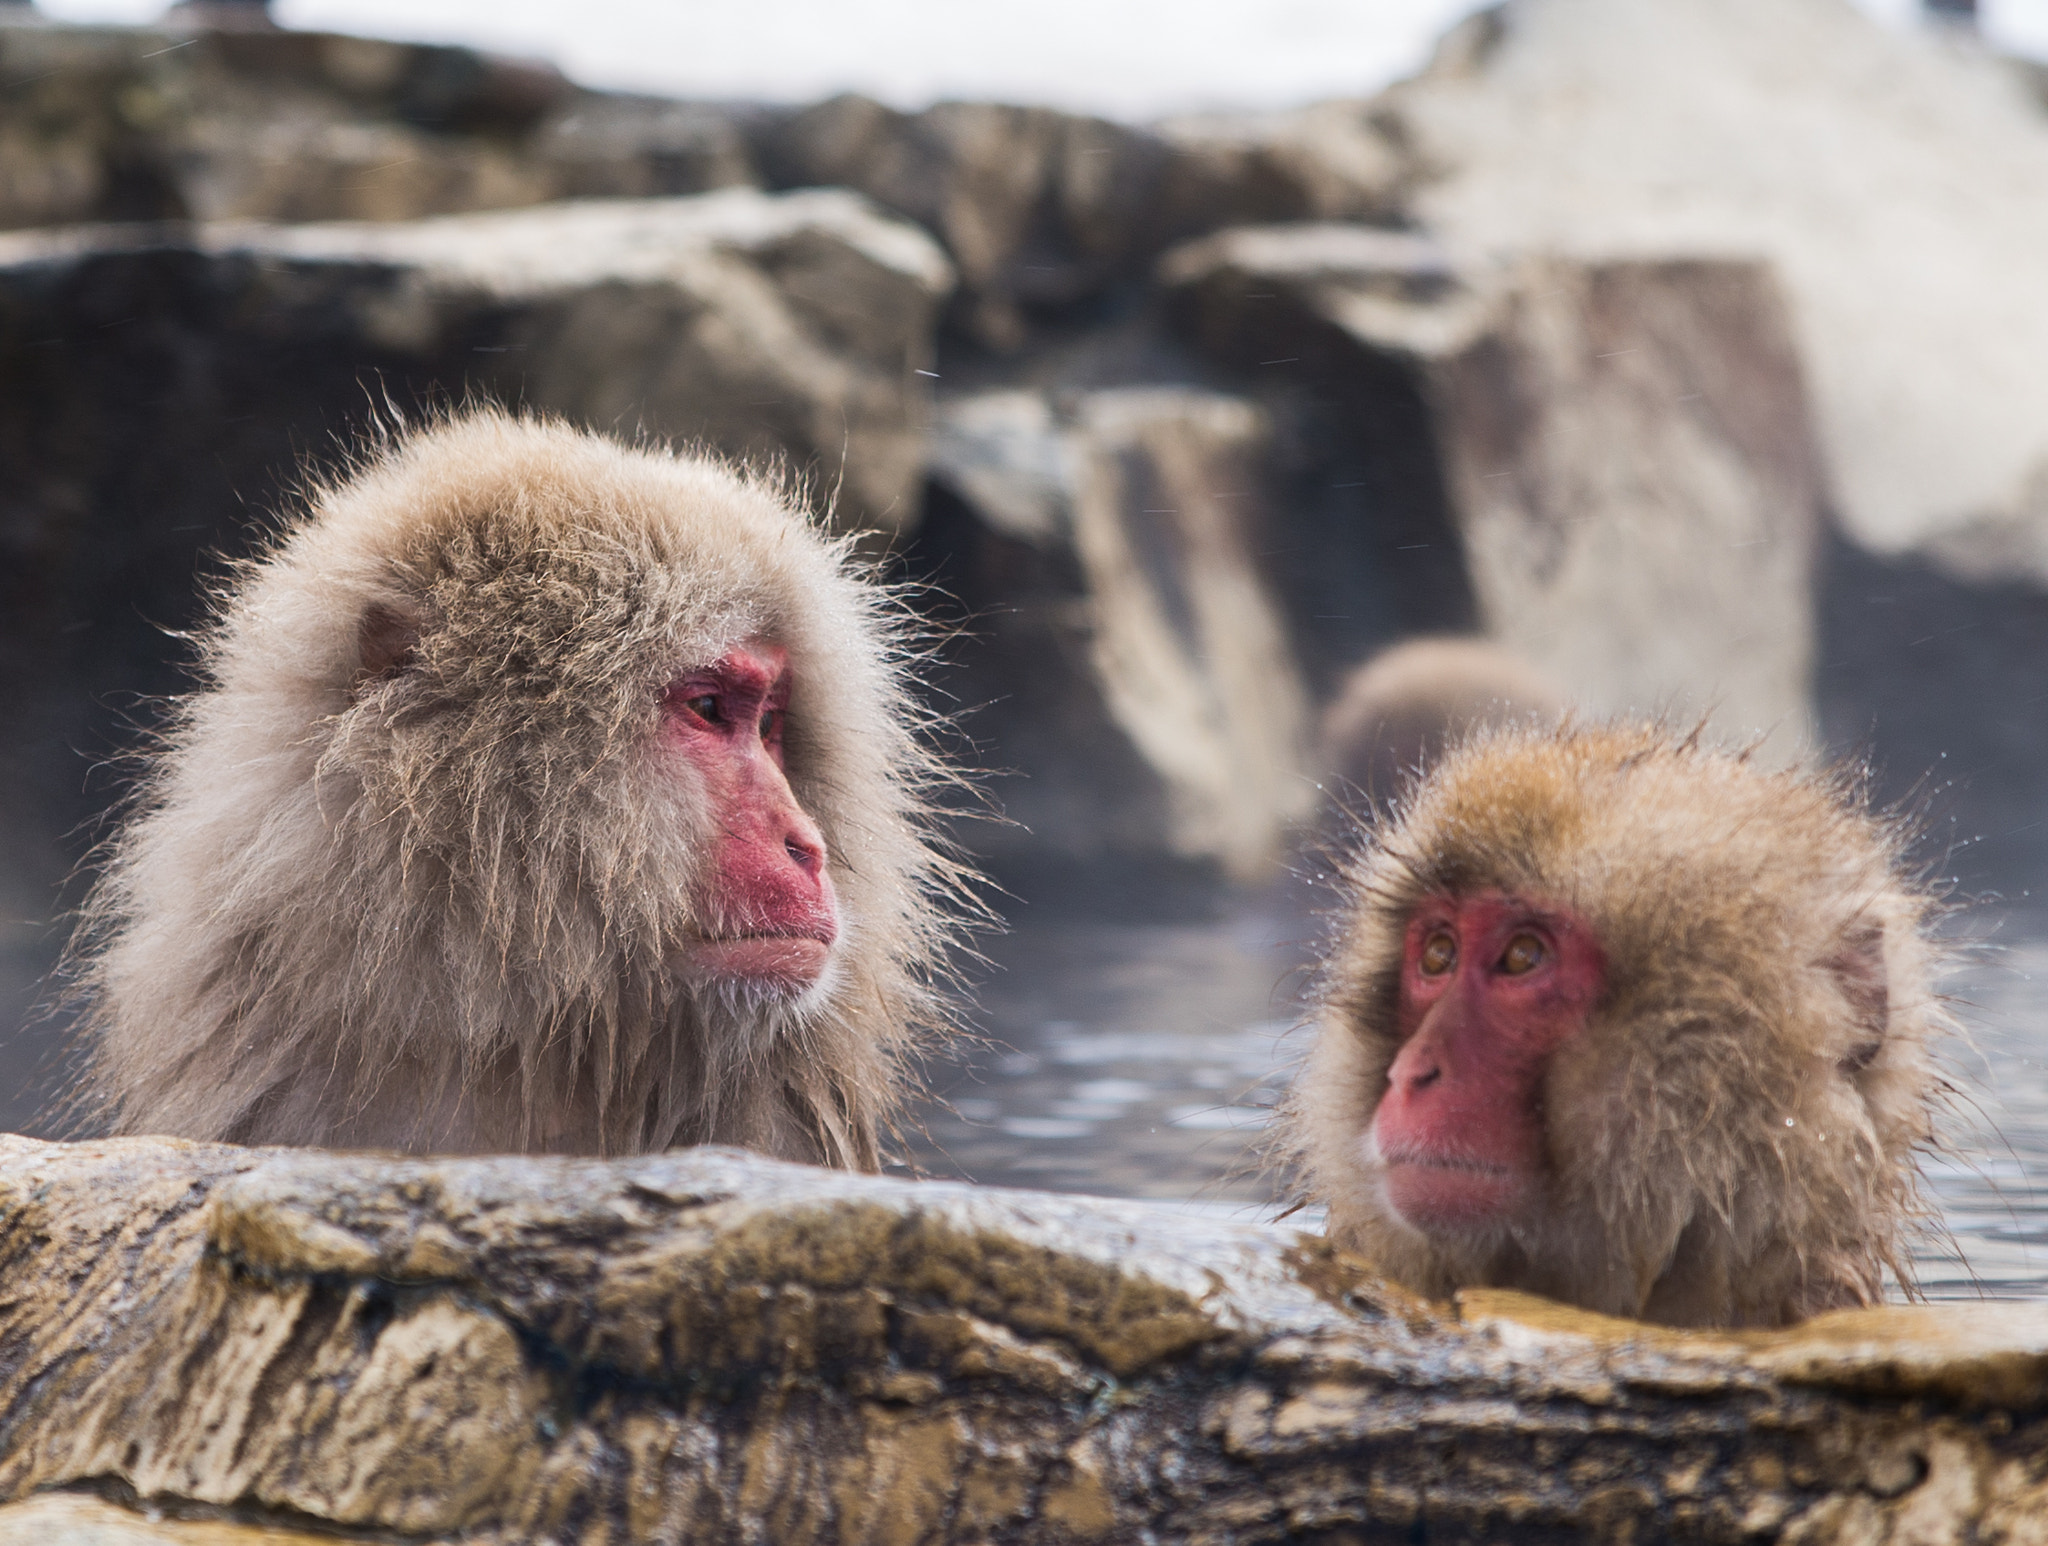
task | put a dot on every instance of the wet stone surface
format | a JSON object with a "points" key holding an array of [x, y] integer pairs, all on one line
{"points": [[225, 1347]]}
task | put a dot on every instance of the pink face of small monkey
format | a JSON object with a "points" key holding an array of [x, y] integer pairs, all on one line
{"points": [[770, 915], [1491, 988]]}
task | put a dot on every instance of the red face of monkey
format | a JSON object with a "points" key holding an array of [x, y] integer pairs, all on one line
{"points": [[770, 917], [1490, 988]]}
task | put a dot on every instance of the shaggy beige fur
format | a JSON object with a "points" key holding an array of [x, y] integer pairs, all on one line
{"points": [[440, 908], [1731, 1139]]}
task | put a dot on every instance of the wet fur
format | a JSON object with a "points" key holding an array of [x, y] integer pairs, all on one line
{"points": [[399, 875], [1767, 959]]}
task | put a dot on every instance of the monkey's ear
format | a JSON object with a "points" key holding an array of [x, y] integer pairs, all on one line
{"points": [[1859, 967], [387, 641]]}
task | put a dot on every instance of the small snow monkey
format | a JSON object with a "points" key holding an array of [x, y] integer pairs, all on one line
{"points": [[1630, 1022], [1398, 711], [541, 794]]}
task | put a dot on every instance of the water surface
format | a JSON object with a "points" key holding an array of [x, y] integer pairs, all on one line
{"points": [[1128, 1059]]}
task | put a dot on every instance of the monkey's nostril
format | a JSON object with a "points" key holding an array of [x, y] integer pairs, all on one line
{"points": [[802, 854]]}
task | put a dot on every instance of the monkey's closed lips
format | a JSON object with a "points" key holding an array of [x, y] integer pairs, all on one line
{"points": [[768, 958], [1433, 1191]]}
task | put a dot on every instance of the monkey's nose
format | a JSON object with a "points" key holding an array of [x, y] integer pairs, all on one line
{"points": [[802, 840], [1423, 1078], [1418, 1065]]}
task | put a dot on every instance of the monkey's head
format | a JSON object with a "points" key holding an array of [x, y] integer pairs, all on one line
{"points": [[590, 690], [1630, 1022], [522, 752]]}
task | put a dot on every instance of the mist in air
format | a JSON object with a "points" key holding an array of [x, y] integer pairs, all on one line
{"points": [[1124, 58]]}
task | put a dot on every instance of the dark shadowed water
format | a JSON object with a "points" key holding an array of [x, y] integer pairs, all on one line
{"points": [[1143, 1060]]}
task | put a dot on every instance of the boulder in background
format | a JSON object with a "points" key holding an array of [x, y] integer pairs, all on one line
{"points": [[787, 327], [1038, 209], [1126, 660], [1047, 214], [1623, 448], [1327, 161], [185, 122]]}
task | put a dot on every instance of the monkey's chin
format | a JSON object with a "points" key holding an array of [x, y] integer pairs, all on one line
{"points": [[780, 965], [1447, 1196]]}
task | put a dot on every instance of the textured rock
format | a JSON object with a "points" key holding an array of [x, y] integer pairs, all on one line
{"points": [[82, 1519], [1038, 208], [148, 123], [1329, 161], [606, 145], [1622, 447], [788, 326], [1045, 211], [708, 1347], [1127, 662]]}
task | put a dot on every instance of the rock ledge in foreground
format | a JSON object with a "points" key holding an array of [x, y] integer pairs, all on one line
{"points": [[203, 1343]]}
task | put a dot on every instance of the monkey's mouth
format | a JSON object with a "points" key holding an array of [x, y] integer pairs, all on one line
{"points": [[789, 961], [1434, 1191]]}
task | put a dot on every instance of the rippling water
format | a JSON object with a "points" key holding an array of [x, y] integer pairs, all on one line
{"points": [[1992, 1184], [1129, 1060], [1143, 1060]]}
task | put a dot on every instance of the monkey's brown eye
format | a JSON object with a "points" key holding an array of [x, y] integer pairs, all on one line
{"points": [[1439, 955], [704, 706], [771, 722], [1524, 954]]}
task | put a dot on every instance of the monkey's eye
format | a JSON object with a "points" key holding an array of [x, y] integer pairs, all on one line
{"points": [[1524, 954], [705, 706], [1439, 955], [771, 724]]}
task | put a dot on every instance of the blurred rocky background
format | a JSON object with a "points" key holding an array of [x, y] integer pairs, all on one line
{"points": [[1695, 354]]}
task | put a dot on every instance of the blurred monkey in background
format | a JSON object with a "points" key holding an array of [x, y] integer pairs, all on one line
{"points": [[1400, 710]]}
